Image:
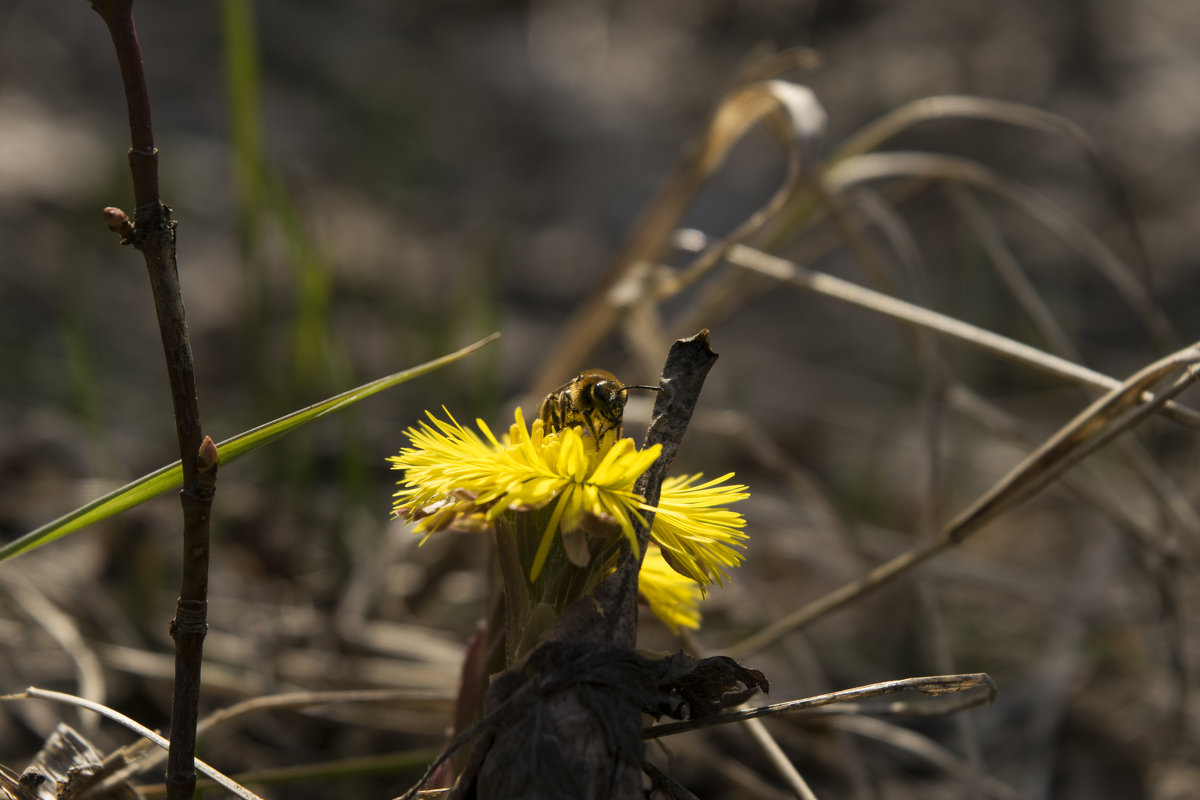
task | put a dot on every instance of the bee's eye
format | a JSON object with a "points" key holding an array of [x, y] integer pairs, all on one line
{"points": [[604, 393]]}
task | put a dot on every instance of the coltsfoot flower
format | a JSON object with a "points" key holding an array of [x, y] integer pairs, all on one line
{"points": [[674, 598], [695, 530], [456, 478]]}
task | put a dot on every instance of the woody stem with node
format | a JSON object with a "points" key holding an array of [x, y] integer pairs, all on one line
{"points": [[152, 232]]}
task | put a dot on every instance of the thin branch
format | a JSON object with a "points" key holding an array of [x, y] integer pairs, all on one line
{"points": [[153, 233], [687, 365], [143, 155]]}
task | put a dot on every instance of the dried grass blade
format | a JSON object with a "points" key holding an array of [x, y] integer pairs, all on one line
{"points": [[959, 107], [779, 760], [964, 107], [926, 749], [1008, 267], [292, 701], [860, 296], [64, 630], [934, 166], [138, 728], [1091, 429], [1004, 261], [979, 687], [791, 111], [1107, 417]]}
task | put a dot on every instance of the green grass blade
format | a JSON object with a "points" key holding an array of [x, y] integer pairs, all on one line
{"points": [[170, 477]]}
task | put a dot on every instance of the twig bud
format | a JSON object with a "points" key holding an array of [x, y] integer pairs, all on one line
{"points": [[208, 456], [118, 222]]}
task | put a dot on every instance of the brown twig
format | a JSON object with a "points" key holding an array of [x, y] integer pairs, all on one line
{"points": [[682, 379], [612, 617], [153, 233]]}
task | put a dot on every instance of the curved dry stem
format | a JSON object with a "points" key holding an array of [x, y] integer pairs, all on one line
{"points": [[1171, 501], [964, 107], [291, 701], [139, 729], [1097, 425], [791, 111], [977, 688], [924, 749], [1005, 262], [881, 303], [779, 760], [1109, 416], [935, 166], [1008, 267], [63, 630], [1147, 531]]}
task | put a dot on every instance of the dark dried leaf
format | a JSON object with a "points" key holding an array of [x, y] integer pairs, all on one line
{"points": [[571, 718]]}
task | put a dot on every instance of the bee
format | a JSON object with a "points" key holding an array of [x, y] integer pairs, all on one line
{"points": [[593, 400]]}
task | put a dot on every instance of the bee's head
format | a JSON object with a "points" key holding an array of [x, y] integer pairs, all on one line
{"points": [[607, 394]]}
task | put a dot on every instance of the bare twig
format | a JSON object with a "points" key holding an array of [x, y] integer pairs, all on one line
{"points": [[683, 376], [153, 233]]}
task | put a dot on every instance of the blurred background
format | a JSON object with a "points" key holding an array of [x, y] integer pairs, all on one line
{"points": [[364, 186]]}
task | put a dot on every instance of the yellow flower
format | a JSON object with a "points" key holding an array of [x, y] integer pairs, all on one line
{"points": [[674, 598], [455, 478], [451, 474], [695, 530]]}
